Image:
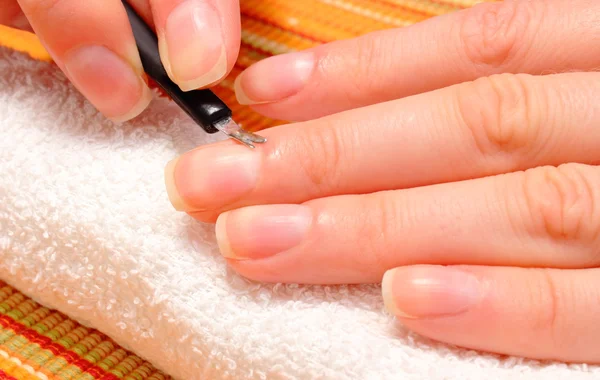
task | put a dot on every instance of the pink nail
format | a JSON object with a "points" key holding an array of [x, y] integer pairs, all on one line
{"points": [[212, 177], [193, 45], [262, 231], [107, 81], [275, 78], [429, 291]]}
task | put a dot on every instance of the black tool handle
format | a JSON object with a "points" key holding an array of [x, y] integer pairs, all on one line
{"points": [[202, 105]]}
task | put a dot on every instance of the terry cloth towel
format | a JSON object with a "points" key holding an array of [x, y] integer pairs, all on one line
{"points": [[86, 228]]}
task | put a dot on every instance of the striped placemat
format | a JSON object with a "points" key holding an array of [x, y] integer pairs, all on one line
{"points": [[39, 343]]}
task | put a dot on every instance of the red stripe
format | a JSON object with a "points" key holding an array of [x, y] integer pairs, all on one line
{"points": [[56, 349], [4, 376]]}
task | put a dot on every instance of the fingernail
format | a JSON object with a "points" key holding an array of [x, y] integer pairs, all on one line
{"points": [[108, 82], [192, 46], [274, 79], [262, 231], [212, 177], [429, 291]]}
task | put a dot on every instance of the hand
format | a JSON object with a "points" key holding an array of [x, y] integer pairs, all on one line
{"points": [[477, 196], [92, 42]]}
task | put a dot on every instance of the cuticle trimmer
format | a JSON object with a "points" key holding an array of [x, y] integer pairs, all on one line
{"points": [[203, 106]]}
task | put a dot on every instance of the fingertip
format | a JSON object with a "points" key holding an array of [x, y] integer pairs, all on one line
{"points": [[142, 104], [108, 81], [172, 192], [213, 76], [258, 232], [430, 291], [275, 79], [192, 43], [387, 284], [240, 94], [212, 178], [223, 238]]}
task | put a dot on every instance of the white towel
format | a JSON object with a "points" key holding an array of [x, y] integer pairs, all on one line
{"points": [[86, 228]]}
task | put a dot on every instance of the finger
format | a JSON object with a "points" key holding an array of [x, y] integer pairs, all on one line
{"points": [[11, 15], [504, 37], [494, 125], [199, 39], [142, 8], [536, 313], [544, 217], [92, 42]]}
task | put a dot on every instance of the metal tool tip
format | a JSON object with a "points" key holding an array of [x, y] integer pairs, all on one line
{"points": [[234, 131]]}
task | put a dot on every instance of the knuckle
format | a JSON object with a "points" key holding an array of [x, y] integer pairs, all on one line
{"points": [[500, 114], [370, 55], [324, 146], [380, 224], [491, 34], [562, 203], [369, 50], [546, 301]]}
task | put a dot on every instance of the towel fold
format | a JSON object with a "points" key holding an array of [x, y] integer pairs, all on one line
{"points": [[86, 228]]}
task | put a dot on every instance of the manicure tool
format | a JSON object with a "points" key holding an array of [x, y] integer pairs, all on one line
{"points": [[203, 106]]}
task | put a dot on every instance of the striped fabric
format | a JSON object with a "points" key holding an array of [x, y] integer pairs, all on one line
{"points": [[38, 343]]}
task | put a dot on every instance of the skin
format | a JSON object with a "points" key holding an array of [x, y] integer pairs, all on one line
{"points": [[454, 161], [92, 42]]}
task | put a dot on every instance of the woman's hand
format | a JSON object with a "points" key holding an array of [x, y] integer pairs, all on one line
{"points": [[477, 196], [92, 42]]}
